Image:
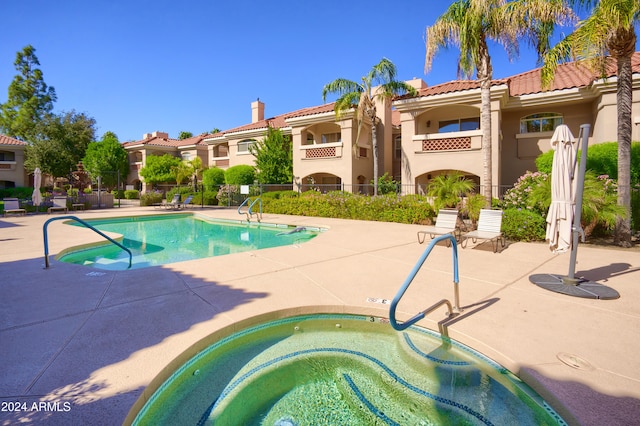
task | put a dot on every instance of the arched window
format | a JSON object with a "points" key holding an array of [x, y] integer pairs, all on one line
{"points": [[540, 122]]}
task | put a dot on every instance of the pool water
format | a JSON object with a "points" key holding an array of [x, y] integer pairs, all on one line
{"points": [[342, 370], [162, 239]]}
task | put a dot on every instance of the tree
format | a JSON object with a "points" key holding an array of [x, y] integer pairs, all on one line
{"points": [[607, 36], [158, 168], [29, 99], [364, 97], [470, 24], [60, 142], [274, 158], [106, 158], [185, 135]]}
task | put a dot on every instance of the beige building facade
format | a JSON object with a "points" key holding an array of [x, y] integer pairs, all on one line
{"points": [[420, 137], [12, 171]]}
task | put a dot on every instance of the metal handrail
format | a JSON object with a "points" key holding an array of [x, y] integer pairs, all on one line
{"points": [[249, 211], [259, 199], [46, 239], [412, 275]]}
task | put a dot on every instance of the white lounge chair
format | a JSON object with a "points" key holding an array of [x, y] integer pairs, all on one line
{"points": [[173, 204], [12, 206], [489, 228], [59, 204], [446, 223]]}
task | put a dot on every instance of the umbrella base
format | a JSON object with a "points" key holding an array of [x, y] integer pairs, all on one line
{"points": [[576, 287]]}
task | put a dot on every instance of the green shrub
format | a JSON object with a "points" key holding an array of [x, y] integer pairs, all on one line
{"points": [[271, 195], [241, 174], [213, 178], [602, 159], [386, 185], [184, 192], [544, 162], [209, 198], [131, 194], [117, 193], [523, 225], [150, 198], [20, 192], [87, 190], [345, 205]]}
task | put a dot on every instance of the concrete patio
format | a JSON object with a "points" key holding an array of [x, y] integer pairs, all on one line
{"points": [[89, 341]]}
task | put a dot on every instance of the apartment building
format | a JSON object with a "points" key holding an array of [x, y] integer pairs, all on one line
{"points": [[420, 137], [12, 171]]}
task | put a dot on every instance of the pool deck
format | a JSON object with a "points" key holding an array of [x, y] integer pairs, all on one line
{"points": [[90, 341]]}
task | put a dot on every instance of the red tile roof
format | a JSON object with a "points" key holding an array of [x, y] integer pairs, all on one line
{"points": [[567, 76], [276, 122], [6, 140], [159, 141]]}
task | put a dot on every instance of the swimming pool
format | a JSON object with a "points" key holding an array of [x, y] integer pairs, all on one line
{"points": [[328, 369], [162, 239]]}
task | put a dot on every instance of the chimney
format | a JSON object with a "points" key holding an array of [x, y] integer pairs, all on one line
{"points": [[162, 135], [257, 111]]}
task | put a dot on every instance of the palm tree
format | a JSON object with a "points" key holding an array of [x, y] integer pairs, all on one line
{"points": [[607, 35], [470, 24], [447, 190], [364, 96]]}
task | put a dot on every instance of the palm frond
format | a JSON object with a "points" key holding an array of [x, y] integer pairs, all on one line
{"points": [[445, 32], [340, 87]]}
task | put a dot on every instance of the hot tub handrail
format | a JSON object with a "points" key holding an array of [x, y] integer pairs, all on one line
{"points": [[46, 239], [413, 273]]}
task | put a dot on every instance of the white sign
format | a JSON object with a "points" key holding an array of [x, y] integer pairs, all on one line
{"points": [[244, 189]]}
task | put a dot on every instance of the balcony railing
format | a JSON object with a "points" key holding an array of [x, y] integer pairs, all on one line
{"points": [[326, 150], [220, 161], [455, 141]]}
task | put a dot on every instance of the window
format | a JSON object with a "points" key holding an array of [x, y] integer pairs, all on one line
{"points": [[542, 122], [459, 125], [397, 147], [243, 146], [310, 140], [331, 137], [7, 156], [186, 156]]}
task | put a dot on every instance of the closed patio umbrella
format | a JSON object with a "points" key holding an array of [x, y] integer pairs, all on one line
{"points": [[36, 197], [563, 218], [563, 190]]}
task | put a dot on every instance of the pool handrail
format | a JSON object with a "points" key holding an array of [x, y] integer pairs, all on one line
{"points": [[452, 309], [249, 211], [77, 219]]}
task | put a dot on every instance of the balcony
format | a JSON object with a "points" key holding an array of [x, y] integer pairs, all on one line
{"points": [[8, 165], [320, 151], [446, 142], [220, 162]]}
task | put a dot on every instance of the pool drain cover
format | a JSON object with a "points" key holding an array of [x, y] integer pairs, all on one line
{"points": [[581, 288], [574, 361]]}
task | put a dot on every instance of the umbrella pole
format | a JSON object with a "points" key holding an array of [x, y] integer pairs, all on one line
{"points": [[575, 227]]}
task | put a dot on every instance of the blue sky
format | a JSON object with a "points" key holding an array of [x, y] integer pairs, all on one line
{"points": [[138, 66]]}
